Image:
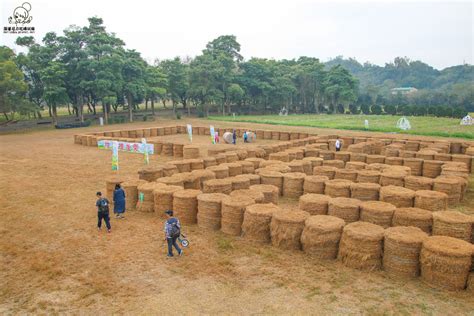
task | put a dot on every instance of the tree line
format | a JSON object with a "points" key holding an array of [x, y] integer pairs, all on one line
{"points": [[87, 68]]}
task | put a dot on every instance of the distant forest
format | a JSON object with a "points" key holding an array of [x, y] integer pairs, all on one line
{"points": [[90, 68]]}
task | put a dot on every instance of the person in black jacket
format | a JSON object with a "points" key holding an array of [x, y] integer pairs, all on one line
{"points": [[102, 212], [172, 232]]}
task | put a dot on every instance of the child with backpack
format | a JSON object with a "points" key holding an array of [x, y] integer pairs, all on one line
{"points": [[102, 212], [172, 233]]}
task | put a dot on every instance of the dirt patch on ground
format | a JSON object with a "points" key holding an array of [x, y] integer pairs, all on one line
{"points": [[52, 259]]}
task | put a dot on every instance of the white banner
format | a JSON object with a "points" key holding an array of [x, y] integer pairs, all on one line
{"points": [[138, 148]]}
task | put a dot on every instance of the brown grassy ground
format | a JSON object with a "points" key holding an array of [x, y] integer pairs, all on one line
{"points": [[53, 260]]}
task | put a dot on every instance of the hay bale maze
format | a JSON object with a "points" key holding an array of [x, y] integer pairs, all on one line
{"points": [[321, 236], [286, 228], [209, 210], [257, 220]]}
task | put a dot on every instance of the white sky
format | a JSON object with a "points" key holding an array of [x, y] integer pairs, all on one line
{"points": [[438, 33]]}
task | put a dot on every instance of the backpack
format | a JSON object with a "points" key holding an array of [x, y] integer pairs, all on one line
{"points": [[103, 206], [175, 232]]}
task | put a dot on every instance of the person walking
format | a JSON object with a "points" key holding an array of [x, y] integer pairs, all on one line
{"points": [[338, 144], [119, 201], [234, 137], [216, 137], [245, 137], [102, 212], [172, 232]]}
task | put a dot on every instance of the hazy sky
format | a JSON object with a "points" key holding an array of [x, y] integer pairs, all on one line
{"points": [[439, 33]]}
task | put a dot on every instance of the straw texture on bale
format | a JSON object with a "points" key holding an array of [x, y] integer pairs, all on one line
{"points": [[169, 170], [346, 174], [314, 204], [196, 164], [314, 184], [426, 154], [445, 262], [185, 205], [466, 159], [270, 192], [338, 188], [218, 186], [326, 171], [239, 183], [220, 171], [293, 184], [272, 178], [453, 224], [358, 157], [415, 164], [163, 198], [321, 236], [368, 176], [431, 200], [110, 184], [233, 209], [235, 168], [342, 155], [176, 179], [402, 247], [278, 168], [280, 156], [356, 165], [432, 168], [334, 163], [146, 204], [131, 192], [203, 175], [392, 178], [365, 191], [296, 166], [398, 196], [361, 246], [377, 212], [257, 220], [247, 167], [375, 159], [416, 183], [257, 196], [450, 186], [347, 209], [413, 216], [190, 152], [315, 161], [209, 210], [256, 162], [286, 228], [178, 150], [394, 161], [326, 154]]}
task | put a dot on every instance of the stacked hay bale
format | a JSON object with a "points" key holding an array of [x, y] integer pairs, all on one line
{"points": [[315, 162], [394, 161], [257, 196], [150, 173], [346, 174], [398, 196], [163, 198], [347, 209], [293, 184], [239, 183], [190, 181], [178, 150], [321, 236], [368, 176], [235, 168], [342, 155], [377, 212], [281, 167], [326, 171], [169, 170], [296, 166], [233, 209], [450, 186], [402, 247], [462, 181], [110, 184], [255, 161], [339, 164], [209, 162], [182, 165], [280, 156], [196, 164], [361, 246], [272, 178], [247, 167], [356, 165], [131, 192], [432, 168], [286, 228], [365, 191], [415, 164], [358, 157], [146, 198], [176, 179], [413, 216], [257, 220], [231, 156], [209, 210], [466, 159], [416, 183], [202, 176], [426, 154], [445, 262], [338, 188], [375, 159], [270, 192], [431, 200], [314, 204], [253, 178], [326, 154], [185, 205], [314, 184], [453, 224], [218, 186], [190, 152], [220, 171]]}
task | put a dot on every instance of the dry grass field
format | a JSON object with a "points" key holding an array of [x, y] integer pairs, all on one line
{"points": [[53, 260]]}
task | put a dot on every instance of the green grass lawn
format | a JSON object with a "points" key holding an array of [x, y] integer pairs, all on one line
{"points": [[420, 125]]}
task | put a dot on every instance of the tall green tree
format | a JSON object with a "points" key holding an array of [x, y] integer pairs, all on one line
{"points": [[341, 86]]}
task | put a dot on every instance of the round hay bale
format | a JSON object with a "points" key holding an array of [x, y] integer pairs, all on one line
{"points": [[293, 184], [315, 161], [190, 152], [432, 168], [365, 191], [203, 175], [185, 205], [190, 181], [169, 170], [253, 178], [227, 137], [213, 152], [146, 202], [321, 236], [326, 154], [296, 166], [255, 161], [196, 164], [442, 157], [413, 216], [377, 212], [182, 165], [110, 184], [286, 228], [361, 246], [451, 187], [314, 204], [431, 200], [209, 162], [416, 183], [415, 164], [163, 198], [375, 159], [398, 196], [279, 156], [150, 173], [392, 178], [347, 209], [377, 167], [334, 163], [209, 210], [276, 167], [311, 152], [178, 150], [218, 186], [231, 156], [342, 155], [462, 181], [239, 183], [270, 192], [337, 188], [346, 174], [220, 172], [453, 224], [255, 195], [256, 223], [326, 171], [235, 168], [272, 178], [131, 192], [368, 176], [314, 184], [247, 167], [358, 157], [402, 247], [356, 165], [175, 179], [426, 154], [466, 159], [233, 209], [267, 163], [394, 161], [445, 262]]}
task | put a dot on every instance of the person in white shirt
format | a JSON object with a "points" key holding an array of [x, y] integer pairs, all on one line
{"points": [[338, 144]]}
